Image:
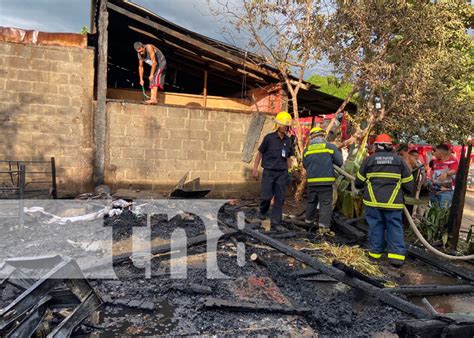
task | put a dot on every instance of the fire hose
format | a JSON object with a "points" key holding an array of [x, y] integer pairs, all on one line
{"points": [[414, 227]]}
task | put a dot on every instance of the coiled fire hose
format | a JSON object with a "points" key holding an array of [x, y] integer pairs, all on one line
{"points": [[414, 227]]}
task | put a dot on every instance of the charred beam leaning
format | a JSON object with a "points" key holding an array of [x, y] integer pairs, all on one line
{"points": [[347, 229]]}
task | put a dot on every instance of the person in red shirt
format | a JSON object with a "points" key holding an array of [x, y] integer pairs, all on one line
{"points": [[441, 184]]}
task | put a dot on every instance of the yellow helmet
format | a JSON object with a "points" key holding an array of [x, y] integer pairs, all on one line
{"points": [[317, 130], [283, 119]]}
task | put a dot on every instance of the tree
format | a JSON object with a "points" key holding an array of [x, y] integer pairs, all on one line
{"points": [[284, 34], [331, 85], [410, 63], [84, 30]]}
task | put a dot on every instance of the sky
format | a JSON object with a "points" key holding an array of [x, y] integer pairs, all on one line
{"points": [[72, 15]]}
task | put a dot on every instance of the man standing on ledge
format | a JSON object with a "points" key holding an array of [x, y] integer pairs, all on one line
{"points": [[152, 56], [274, 153]]}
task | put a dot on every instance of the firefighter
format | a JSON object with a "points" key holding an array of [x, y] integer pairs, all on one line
{"points": [[274, 153], [318, 160], [385, 177]]}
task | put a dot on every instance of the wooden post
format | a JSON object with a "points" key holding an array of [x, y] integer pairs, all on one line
{"points": [[100, 117], [205, 88], [21, 195], [459, 196], [54, 192], [92, 27]]}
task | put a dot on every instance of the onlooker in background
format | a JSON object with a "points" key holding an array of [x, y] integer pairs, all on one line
{"points": [[419, 175], [441, 184], [402, 150], [420, 170]]}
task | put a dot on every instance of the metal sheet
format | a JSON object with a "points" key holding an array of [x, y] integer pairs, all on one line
{"points": [[16, 35]]}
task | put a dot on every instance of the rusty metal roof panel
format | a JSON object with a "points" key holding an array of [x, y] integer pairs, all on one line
{"points": [[34, 37]]}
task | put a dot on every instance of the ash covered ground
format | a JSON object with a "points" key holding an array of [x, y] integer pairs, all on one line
{"points": [[161, 305]]}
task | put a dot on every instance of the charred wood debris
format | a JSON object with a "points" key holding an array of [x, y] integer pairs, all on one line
{"points": [[283, 288]]}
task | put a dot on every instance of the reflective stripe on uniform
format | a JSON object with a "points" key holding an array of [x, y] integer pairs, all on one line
{"points": [[396, 256], [360, 176], [319, 151], [395, 192], [371, 192], [375, 255], [384, 175], [383, 205], [321, 179], [407, 179]]}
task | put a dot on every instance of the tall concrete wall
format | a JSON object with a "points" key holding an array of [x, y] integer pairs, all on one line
{"points": [[46, 95], [154, 146], [46, 108]]}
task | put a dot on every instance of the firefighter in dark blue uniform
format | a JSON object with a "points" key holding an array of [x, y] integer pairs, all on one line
{"points": [[318, 160], [274, 153], [385, 176]]}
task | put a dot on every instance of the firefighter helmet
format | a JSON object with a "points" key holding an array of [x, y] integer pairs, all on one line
{"points": [[283, 119], [317, 131], [383, 138]]}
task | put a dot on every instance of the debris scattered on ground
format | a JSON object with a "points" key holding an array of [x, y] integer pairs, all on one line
{"points": [[354, 257], [60, 288]]}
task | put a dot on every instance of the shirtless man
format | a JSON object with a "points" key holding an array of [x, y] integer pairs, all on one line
{"points": [[152, 56]]}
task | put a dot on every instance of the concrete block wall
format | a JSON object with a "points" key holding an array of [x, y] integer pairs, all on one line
{"points": [[46, 109], [154, 146]]}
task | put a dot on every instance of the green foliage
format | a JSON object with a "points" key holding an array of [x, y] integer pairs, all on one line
{"points": [[413, 201], [84, 30], [332, 86], [349, 203], [433, 225]]}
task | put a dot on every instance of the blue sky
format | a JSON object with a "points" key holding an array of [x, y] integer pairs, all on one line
{"points": [[71, 15]]}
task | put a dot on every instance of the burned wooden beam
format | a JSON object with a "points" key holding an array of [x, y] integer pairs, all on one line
{"points": [[192, 288], [285, 235], [258, 260], [321, 279], [440, 264], [459, 196], [431, 290], [164, 248], [433, 328], [305, 273], [347, 229], [221, 304], [369, 289], [100, 116], [356, 274]]}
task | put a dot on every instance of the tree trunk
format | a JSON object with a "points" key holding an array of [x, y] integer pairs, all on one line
{"points": [[299, 138], [300, 187]]}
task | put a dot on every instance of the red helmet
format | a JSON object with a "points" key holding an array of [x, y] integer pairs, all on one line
{"points": [[383, 138]]}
